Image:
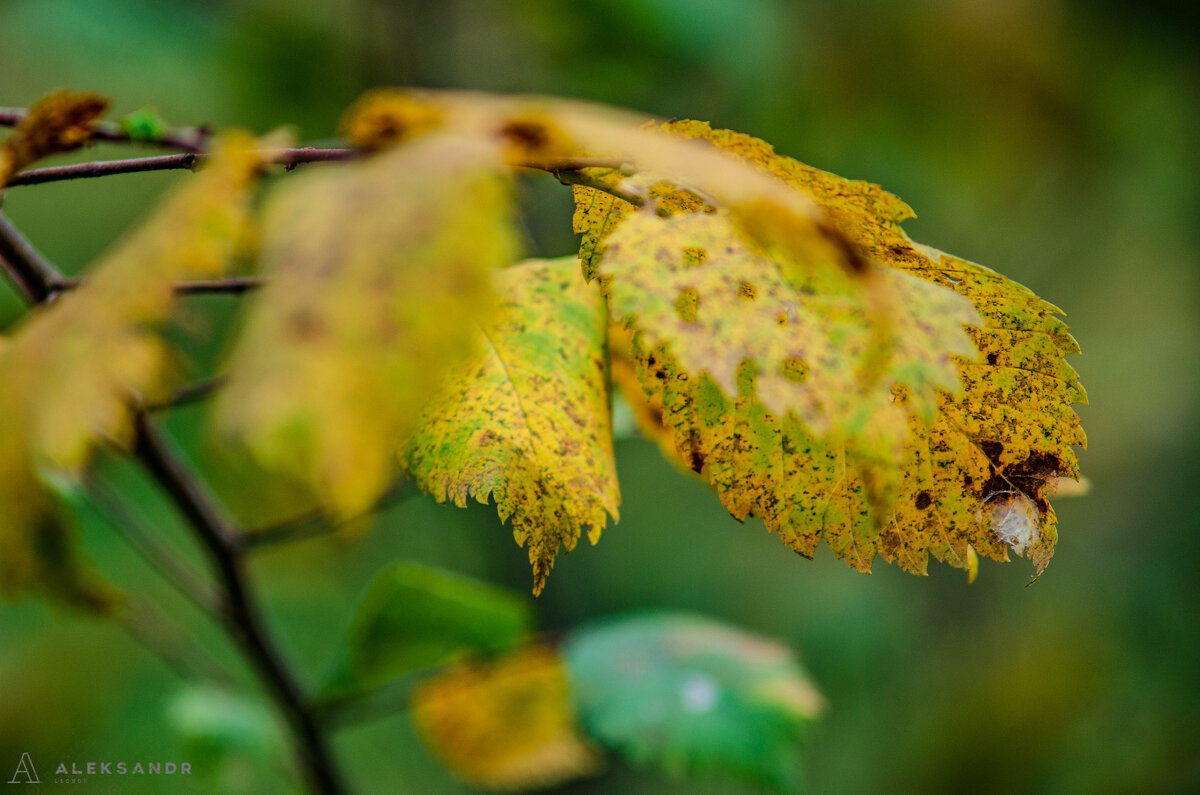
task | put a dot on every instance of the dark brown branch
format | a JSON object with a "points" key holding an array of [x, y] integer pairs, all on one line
{"points": [[289, 158], [187, 139], [219, 538], [32, 273], [103, 168], [192, 393], [315, 524], [235, 285]]}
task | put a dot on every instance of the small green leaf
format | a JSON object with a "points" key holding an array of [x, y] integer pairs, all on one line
{"points": [[415, 616], [689, 694], [144, 125], [216, 724]]}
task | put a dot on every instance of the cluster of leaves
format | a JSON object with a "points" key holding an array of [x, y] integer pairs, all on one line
{"points": [[772, 325], [510, 710]]}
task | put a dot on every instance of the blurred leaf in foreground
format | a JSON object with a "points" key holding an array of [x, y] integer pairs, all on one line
{"points": [[526, 420], [416, 616], [378, 273], [505, 724], [689, 694], [75, 370]]}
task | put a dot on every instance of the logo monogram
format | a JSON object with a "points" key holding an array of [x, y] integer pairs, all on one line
{"points": [[25, 768]]}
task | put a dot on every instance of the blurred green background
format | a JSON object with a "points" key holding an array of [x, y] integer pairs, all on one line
{"points": [[1056, 142]]}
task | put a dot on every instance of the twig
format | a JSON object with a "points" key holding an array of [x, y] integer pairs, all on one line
{"points": [[177, 573], [235, 285], [188, 139], [315, 523], [103, 168], [30, 271], [289, 158], [576, 177], [149, 628], [219, 538], [192, 393]]}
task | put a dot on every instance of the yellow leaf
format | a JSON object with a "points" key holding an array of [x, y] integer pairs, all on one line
{"points": [[689, 282], [975, 478], [526, 420], [377, 273], [506, 724], [58, 122], [75, 370], [553, 134], [385, 117]]}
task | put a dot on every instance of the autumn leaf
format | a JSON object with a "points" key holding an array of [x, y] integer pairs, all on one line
{"points": [[76, 369], [527, 419], [58, 122], [562, 136], [974, 478], [378, 271], [505, 724], [691, 283]]}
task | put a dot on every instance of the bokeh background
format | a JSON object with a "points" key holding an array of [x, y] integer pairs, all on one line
{"points": [[1057, 142]]}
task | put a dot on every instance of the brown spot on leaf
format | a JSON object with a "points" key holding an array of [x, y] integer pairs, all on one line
{"points": [[748, 291], [993, 450], [924, 501], [526, 134]]}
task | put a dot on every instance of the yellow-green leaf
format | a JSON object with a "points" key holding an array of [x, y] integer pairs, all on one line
{"points": [[527, 419], [976, 477], [506, 724], [58, 122], [378, 271], [74, 370], [691, 283]]}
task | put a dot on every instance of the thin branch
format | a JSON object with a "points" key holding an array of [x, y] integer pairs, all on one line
{"points": [[289, 158], [219, 538], [315, 524], [192, 393], [169, 566], [576, 177], [157, 635], [188, 139], [30, 271], [234, 285], [104, 168]]}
